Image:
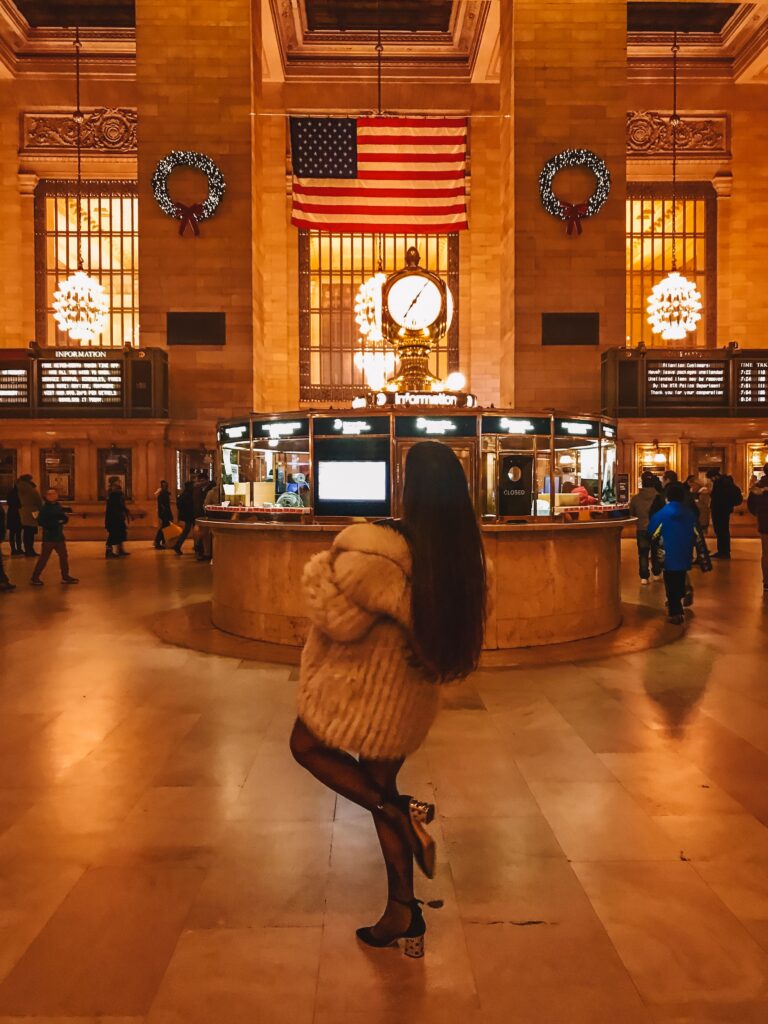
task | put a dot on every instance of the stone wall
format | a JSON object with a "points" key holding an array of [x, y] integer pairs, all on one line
{"points": [[194, 92]]}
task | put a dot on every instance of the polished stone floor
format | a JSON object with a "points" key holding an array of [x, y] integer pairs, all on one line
{"points": [[602, 827]]}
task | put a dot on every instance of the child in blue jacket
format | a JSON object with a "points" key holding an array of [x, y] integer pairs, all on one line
{"points": [[676, 522]]}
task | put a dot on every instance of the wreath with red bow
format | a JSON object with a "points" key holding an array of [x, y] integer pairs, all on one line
{"points": [[574, 213], [193, 214]]}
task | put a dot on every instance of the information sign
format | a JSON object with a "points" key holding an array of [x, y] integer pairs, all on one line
{"points": [[686, 382]]}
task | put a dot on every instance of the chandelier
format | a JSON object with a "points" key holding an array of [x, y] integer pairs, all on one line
{"points": [[80, 303], [674, 303]]}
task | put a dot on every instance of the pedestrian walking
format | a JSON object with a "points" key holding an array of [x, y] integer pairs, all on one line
{"points": [[164, 512], [676, 523], [757, 503], [5, 584], [116, 519], [640, 509], [14, 521], [726, 496], [186, 514], [52, 519], [396, 609], [30, 504]]}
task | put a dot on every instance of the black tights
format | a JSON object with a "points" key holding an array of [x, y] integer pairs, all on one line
{"points": [[372, 785]]}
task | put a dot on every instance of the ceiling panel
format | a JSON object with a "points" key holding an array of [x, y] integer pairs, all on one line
{"points": [[90, 13], [390, 15], [683, 17]]}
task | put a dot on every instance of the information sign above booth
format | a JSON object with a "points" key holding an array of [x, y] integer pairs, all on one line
{"points": [[84, 382], [680, 382]]}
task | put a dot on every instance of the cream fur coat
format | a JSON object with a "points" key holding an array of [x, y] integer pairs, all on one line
{"points": [[359, 690]]}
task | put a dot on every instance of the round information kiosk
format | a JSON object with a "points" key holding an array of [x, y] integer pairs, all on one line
{"points": [[543, 485]]}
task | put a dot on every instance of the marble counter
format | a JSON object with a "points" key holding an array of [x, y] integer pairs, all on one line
{"points": [[553, 582]]}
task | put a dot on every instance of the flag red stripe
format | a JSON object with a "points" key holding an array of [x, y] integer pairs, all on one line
{"points": [[409, 158], [413, 140], [369, 208], [411, 175], [411, 122], [395, 228], [387, 193]]}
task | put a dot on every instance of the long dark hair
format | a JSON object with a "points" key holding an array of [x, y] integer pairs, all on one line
{"points": [[448, 587]]}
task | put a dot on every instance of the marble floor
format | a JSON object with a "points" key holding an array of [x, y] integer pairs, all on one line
{"points": [[602, 827]]}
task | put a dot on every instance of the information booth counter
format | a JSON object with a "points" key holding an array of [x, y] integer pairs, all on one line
{"points": [[543, 486]]}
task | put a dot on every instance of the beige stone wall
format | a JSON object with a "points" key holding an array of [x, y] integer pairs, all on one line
{"points": [[194, 92], [569, 92]]}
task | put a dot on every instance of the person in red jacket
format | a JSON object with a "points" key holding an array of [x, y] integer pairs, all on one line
{"points": [[757, 503]]}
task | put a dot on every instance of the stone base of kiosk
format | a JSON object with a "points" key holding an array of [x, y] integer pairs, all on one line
{"points": [[553, 583]]}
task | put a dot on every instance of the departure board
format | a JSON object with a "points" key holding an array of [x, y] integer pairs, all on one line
{"points": [[686, 382], [15, 383], [752, 382], [80, 379]]}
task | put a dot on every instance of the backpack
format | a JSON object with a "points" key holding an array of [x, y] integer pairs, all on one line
{"points": [[736, 496]]}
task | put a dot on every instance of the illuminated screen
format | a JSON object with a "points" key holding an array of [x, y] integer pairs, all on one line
{"points": [[352, 481]]}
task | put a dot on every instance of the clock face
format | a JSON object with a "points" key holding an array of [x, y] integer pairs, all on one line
{"points": [[414, 302]]}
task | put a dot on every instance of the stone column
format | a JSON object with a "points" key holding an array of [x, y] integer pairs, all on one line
{"points": [[564, 84], [194, 84]]}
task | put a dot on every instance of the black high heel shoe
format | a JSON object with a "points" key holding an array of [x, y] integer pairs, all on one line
{"points": [[412, 937]]}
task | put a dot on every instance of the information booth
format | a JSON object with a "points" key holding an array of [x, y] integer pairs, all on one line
{"points": [[351, 465], [543, 485]]}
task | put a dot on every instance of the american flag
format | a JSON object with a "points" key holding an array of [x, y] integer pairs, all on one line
{"points": [[373, 174]]}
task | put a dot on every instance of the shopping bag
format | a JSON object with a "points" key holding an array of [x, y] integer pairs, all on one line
{"points": [[171, 532], [703, 557]]}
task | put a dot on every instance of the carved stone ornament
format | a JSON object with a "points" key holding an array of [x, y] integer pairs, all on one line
{"points": [[649, 134], [104, 130]]}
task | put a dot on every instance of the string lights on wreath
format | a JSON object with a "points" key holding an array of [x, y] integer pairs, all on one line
{"points": [[574, 213], [188, 215]]}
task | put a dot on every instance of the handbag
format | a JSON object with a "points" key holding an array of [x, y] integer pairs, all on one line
{"points": [[171, 532], [703, 557]]}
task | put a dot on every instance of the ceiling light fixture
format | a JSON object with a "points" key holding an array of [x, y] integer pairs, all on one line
{"points": [[674, 303], [80, 304]]}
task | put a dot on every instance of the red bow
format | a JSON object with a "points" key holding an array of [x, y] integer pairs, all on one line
{"points": [[573, 212], [189, 215]]}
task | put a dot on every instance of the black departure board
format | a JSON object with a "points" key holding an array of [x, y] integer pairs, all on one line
{"points": [[686, 382], [84, 379], [15, 383], [752, 382]]}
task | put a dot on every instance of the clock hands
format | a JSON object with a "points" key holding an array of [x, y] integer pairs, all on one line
{"points": [[415, 299]]}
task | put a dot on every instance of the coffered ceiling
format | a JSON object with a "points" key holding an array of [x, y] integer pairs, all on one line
{"points": [[648, 16], [430, 41], [389, 15], [94, 13]]}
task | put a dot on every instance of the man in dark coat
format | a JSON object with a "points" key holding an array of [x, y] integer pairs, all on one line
{"points": [[5, 583], [51, 520], [757, 503], [164, 513], [726, 496], [116, 518], [14, 521]]}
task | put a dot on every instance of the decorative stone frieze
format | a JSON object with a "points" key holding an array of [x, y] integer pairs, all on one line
{"points": [[105, 130], [649, 134]]}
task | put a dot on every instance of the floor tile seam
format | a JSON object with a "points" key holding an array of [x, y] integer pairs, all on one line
{"points": [[763, 948], [649, 1005], [76, 881]]}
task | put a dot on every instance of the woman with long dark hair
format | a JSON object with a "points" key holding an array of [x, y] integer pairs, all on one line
{"points": [[397, 608]]}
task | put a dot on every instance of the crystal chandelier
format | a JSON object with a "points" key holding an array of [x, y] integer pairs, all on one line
{"points": [[80, 304], [674, 303]]}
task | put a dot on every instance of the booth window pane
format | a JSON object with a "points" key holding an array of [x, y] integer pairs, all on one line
{"points": [[331, 269], [649, 253], [109, 246]]}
